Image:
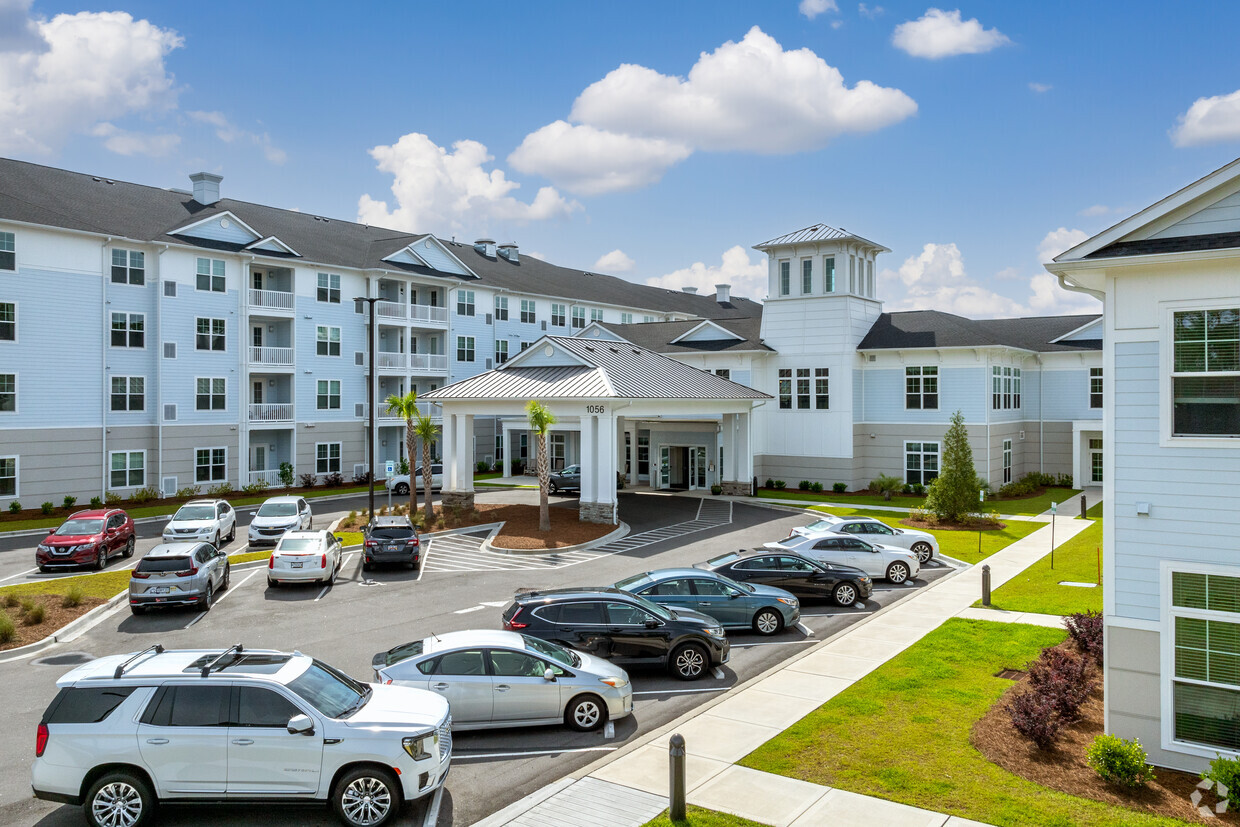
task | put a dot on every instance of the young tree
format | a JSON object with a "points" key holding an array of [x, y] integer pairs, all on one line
{"points": [[953, 493], [407, 408], [427, 431], [541, 420]]}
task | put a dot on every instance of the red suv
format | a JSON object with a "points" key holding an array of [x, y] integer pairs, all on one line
{"points": [[88, 538]]}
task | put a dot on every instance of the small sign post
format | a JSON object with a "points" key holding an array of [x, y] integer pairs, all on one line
{"points": [[981, 498], [1054, 508], [389, 471]]}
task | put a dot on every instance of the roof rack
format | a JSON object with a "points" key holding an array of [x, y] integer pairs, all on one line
{"points": [[234, 649], [120, 670]]}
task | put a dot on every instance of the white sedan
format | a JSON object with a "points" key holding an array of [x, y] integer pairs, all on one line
{"points": [[922, 543], [400, 483], [305, 557], [896, 565]]}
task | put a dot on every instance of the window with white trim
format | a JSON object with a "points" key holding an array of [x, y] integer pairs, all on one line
{"points": [[8, 251], [579, 317], [8, 321], [1095, 387], [559, 314], [8, 476], [807, 276], [128, 267], [723, 373], [646, 319], [327, 340], [210, 464], [803, 389], [501, 308], [852, 274], [529, 313], [128, 469], [822, 388], [209, 393], [499, 447], [596, 314], [128, 393], [128, 330], [526, 345], [1004, 388], [328, 288], [869, 277], [828, 274], [785, 388], [209, 334], [1007, 461], [1205, 676], [501, 351], [464, 348], [785, 278], [210, 275], [327, 458], [464, 302], [1205, 373], [921, 388], [921, 462], [327, 397], [626, 318], [8, 393]]}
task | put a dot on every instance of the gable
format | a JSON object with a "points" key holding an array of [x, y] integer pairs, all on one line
{"points": [[406, 255], [596, 331], [271, 244], [1090, 332], [544, 353], [707, 332], [222, 226], [435, 256], [1222, 216]]}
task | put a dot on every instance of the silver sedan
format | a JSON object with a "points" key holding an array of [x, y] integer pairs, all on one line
{"points": [[922, 543], [494, 679]]}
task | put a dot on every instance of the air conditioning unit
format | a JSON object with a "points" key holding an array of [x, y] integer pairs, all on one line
{"points": [[169, 486], [359, 468]]}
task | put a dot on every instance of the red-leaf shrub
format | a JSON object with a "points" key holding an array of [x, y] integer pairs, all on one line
{"points": [[1086, 630], [1063, 679], [1035, 717]]}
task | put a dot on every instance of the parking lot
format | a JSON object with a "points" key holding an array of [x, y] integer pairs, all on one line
{"points": [[459, 587]]}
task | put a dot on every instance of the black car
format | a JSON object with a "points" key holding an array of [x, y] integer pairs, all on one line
{"points": [[391, 540], [621, 627], [795, 573]]}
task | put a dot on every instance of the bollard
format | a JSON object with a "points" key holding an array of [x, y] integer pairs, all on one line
{"points": [[1083, 508], [986, 585], [676, 790]]}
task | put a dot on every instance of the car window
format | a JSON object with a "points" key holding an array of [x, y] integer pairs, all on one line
{"points": [[300, 544], [327, 690], [550, 614], [622, 614], [548, 649], [506, 663], [269, 509], [436, 469], [391, 533], [202, 555], [193, 512], [586, 612], [73, 705], [221, 510], [163, 564], [855, 528], [881, 528], [259, 707], [468, 662], [669, 587], [303, 505], [712, 588], [74, 527], [189, 706], [857, 545], [794, 564], [827, 544], [116, 521]]}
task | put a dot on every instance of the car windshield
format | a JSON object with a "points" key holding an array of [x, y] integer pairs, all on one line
{"points": [[661, 612], [80, 527], [332, 693], [572, 469], [194, 512], [559, 654], [277, 510], [736, 584], [300, 544], [629, 583]]}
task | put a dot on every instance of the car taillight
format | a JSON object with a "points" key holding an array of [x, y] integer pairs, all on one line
{"points": [[371, 544], [388, 682], [511, 623], [40, 741], [414, 542], [141, 575], [271, 562], [190, 572], [323, 562]]}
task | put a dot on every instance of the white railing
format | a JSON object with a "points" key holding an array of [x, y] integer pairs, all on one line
{"points": [[271, 356], [272, 299], [427, 409], [428, 362], [271, 477], [272, 412], [390, 360], [390, 310], [427, 313]]}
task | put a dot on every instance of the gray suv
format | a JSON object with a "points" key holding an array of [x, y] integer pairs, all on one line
{"points": [[178, 574]]}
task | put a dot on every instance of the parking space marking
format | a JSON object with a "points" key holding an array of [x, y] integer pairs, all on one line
{"points": [[200, 616], [457, 756], [839, 614], [470, 609], [431, 817], [19, 574], [772, 643], [681, 691]]}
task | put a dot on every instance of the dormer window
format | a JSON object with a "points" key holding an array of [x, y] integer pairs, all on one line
{"points": [[785, 278], [807, 276], [828, 274]]}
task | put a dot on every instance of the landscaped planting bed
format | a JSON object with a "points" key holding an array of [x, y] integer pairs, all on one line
{"points": [[520, 531], [1026, 506], [699, 817]]}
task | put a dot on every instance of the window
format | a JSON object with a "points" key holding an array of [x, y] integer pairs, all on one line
{"points": [[209, 395], [1004, 388], [8, 476], [209, 334], [626, 318], [723, 373], [210, 275], [501, 351], [1016, 388], [785, 388], [921, 462], [128, 267], [508, 664], [921, 389], [501, 308], [8, 393], [526, 345], [327, 341], [1007, 461], [572, 614], [86, 705], [869, 278], [8, 322], [128, 330], [646, 319], [807, 276], [190, 706], [822, 388], [1205, 648], [8, 251], [464, 348], [327, 458], [852, 274], [210, 464], [1095, 460], [464, 302], [499, 447], [579, 317], [558, 313], [329, 288], [328, 396], [596, 314], [803, 389], [1205, 375], [128, 469], [828, 274], [625, 614], [528, 313], [785, 278], [259, 707], [128, 393], [1095, 387]]}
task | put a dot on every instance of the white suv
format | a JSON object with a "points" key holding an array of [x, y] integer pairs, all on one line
{"points": [[209, 521], [128, 731], [278, 515]]}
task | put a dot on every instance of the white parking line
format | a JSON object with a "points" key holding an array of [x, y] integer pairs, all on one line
{"points": [[431, 818], [19, 574], [233, 587], [839, 614], [320, 597], [681, 691], [456, 756], [773, 643], [200, 616], [470, 609]]}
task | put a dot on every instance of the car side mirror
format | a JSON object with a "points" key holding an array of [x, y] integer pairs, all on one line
{"points": [[733, 595], [549, 675], [300, 725], [651, 623], [338, 539]]}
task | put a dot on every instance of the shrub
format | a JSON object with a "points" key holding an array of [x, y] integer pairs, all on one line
{"points": [[1063, 480], [886, 485], [33, 613], [308, 480], [72, 598], [286, 474], [1225, 772], [483, 466], [983, 484], [1063, 679], [112, 498], [918, 489], [256, 487], [362, 478], [145, 495], [907, 489], [1120, 761], [780, 485], [839, 487], [48, 508], [1033, 715], [1086, 630], [402, 467], [221, 490], [815, 487], [770, 483], [8, 632], [333, 480], [96, 501], [69, 501], [803, 485], [15, 506], [11, 600], [188, 491]]}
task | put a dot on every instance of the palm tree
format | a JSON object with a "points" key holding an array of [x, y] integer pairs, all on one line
{"points": [[541, 420], [427, 431], [407, 408]]}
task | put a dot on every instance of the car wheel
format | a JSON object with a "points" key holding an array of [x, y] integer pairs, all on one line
{"points": [[138, 610], [413, 565], [128, 552], [366, 797], [897, 573], [400, 488], [845, 594], [215, 541], [768, 622], [227, 577], [101, 559], [119, 799], [273, 584], [553, 488], [205, 602], [44, 569], [923, 552], [585, 713], [689, 662], [232, 532]]}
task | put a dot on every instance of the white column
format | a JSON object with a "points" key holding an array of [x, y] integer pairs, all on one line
{"points": [[448, 441], [744, 455], [464, 452], [728, 437], [606, 478], [506, 462], [589, 459], [632, 429], [1077, 479]]}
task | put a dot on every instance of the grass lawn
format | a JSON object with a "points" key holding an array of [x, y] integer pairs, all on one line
{"points": [[1027, 506], [926, 700], [1095, 511], [104, 584], [698, 817], [962, 545], [1037, 588]]}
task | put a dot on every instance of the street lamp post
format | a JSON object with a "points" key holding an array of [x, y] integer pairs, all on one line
{"points": [[370, 402]]}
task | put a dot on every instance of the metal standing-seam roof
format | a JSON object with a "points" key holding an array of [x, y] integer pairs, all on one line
{"points": [[817, 232], [612, 370]]}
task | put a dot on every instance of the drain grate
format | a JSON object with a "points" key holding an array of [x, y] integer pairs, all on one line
{"points": [[66, 659], [1010, 674]]}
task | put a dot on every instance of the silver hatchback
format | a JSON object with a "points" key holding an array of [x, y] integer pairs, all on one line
{"points": [[178, 574]]}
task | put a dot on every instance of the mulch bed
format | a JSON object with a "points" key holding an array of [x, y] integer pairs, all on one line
{"points": [[1064, 769], [55, 617]]}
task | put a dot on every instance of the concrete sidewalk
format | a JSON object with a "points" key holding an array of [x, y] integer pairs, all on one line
{"points": [[630, 786]]}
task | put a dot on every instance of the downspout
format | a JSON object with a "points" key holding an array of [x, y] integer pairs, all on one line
{"points": [[243, 379], [1041, 420], [987, 387], [159, 366], [103, 362]]}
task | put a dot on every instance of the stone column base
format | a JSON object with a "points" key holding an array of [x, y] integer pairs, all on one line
{"points": [[458, 499], [596, 512], [736, 489]]}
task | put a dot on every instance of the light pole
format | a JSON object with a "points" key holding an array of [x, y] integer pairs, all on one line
{"points": [[370, 402]]}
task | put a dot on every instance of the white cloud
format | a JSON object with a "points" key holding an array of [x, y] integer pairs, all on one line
{"points": [[614, 262], [748, 278], [940, 33], [591, 161], [1209, 120], [1056, 241], [64, 76], [123, 142], [229, 133], [813, 8], [1040, 88], [870, 12], [1096, 209], [440, 191]]}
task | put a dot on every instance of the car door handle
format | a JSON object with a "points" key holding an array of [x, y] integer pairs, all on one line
{"points": [[503, 687], [243, 742], [440, 686], [157, 740]]}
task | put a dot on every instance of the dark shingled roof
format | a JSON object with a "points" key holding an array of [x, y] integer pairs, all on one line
{"points": [[933, 328], [1180, 244], [37, 194], [658, 336]]}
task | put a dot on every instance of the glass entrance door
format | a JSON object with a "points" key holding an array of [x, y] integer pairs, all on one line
{"points": [[665, 466], [697, 478], [693, 468]]}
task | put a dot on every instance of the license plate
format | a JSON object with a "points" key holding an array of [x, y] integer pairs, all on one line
{"points": [[393, 548], [158, 590], [295, 565]]}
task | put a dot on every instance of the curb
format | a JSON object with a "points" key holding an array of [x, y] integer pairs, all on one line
{"points": [[66, 632], [621, 531]]}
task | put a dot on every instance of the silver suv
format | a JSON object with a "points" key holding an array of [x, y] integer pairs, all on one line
{"points": [[178, 574], [128, 731], [209, 520]]}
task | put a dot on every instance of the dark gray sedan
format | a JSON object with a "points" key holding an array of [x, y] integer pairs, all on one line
{"points": [[567, 480], [765, 609]]}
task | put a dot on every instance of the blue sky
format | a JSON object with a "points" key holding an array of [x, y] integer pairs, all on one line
{"points": [[656, 141]]}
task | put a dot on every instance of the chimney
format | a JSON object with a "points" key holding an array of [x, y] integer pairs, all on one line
{"points": [[723, 293], [485, 246], [206, 187], [690, 290], [509, 251]]}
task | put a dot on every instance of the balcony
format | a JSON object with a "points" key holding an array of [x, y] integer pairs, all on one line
{"points": [[427, 409], [427, 313], [272, 356], [270, 476], [390, 361], [272, 412], [428, 363], [390, 310], [271, 300]]}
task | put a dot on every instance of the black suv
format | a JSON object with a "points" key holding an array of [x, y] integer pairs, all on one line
{"points": [[391, 540], [621, 627], [795, 573]]}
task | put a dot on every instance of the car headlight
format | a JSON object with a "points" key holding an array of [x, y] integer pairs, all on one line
{"points": [[84, 547], [791, 601], [44, 547], [417, 746], [865, 578], [615, 683], [715, 631]]}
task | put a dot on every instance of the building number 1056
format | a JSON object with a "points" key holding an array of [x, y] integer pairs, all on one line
{"points": [[596, 409]]}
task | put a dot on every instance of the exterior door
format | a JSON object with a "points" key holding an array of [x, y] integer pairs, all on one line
{"points": [[631, 638], [258, 457], [699, 472], [720, 601], [665, 466], [256, 335], [693, 468], [643, 457], [1095, 461], [521, 693], [263, 757], [256, 397]]}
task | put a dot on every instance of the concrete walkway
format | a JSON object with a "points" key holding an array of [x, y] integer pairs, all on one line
{"points": [[720, 733]]}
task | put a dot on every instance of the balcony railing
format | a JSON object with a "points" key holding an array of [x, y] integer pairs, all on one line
{"points": [[428, 362], [390, 310], [390, 360], [271, 476], [271, 299], [427, 313], [427, 409], [272, 412], [282, 356]]}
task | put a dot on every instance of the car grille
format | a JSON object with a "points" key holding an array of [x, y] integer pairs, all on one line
{"points": [[184, 531], [445, 739], [271, 532], [61, 550]]}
